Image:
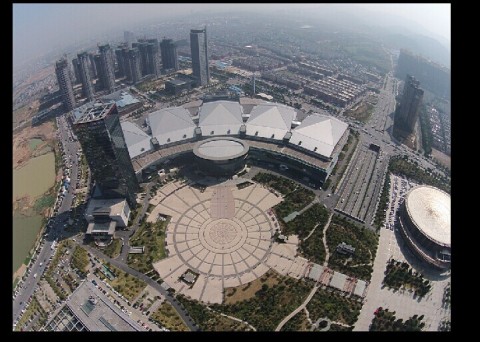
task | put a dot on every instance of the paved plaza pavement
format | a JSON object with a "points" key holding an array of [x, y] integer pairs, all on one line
{"points": [[403, 302], [223, 234]]}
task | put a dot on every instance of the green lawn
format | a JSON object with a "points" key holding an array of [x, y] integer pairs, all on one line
{"points": [[152, 237], [365, 242], [124, 283], [169, 318], [79, 259], [113, 250], [333, 306], [270, 304]]}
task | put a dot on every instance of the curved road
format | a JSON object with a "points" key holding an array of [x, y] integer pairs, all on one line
{"points": [[171, 299]]}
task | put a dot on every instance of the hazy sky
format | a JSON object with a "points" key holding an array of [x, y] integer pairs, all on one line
{"points": [[38, 28]]}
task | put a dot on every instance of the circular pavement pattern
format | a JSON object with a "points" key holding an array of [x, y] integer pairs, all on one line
{"points": [[223, 247]]}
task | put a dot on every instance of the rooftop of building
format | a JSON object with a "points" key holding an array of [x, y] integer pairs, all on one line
{"points": [[95, 311], [220, 148], [270, 120], [122, 98], [430, 210], [116, 206], [171, 125], [92, 112], [137, 140], [107, 227], [319, 134]]}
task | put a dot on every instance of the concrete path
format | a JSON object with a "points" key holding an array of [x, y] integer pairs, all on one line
{"points": [[297, 310], [327, 252], [233, 318]]}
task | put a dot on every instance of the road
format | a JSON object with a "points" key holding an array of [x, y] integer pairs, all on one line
{"points": [[45, 251], [171, 299], [57, 232]]}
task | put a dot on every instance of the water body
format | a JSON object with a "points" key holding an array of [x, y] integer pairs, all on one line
{"points": [[33, 143], [25, 230], [35, 178]]}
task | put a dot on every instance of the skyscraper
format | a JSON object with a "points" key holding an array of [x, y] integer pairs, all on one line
{"points": [[87, 86], [133, 65], [121, 54], [65, 84], [93, 66], [169, 54], [141, 45], [408, 110], [153, 57], [76, 70], [101, 136], [107, 68], [199, 51]]}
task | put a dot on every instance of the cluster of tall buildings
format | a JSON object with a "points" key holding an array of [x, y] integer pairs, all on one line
{"points": [[130, 60]]}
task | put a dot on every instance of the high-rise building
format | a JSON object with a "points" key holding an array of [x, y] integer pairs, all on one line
{"points": [[169, 54], [141, 45], [106, 72], [101, 137], [199, 51], [87, 85], [121, 54], [153, 57], [129, 38], [133, 66], [409, 108], [93, 66], [65, 84], [76, 70]]}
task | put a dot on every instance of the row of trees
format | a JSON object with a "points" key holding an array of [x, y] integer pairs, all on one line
{"points": [[332, 305], [399, 274], [401, 165], [281, 184], [385, 320]]}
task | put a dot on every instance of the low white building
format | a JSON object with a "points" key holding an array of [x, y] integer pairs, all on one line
{"points": [[116, 209]]}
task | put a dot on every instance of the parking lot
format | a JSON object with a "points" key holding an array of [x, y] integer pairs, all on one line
{"points": [[398, 188]]}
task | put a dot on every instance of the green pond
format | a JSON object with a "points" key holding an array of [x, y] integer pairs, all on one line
{"points": [[25, 230], [33, 179], [33, 143], [36, 177]]}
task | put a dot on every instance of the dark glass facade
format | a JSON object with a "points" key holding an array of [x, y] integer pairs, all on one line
{"points": [[199, 51], [107, 155]]}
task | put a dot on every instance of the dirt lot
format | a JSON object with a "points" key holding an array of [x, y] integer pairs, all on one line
{"points": [[243, 292], [442, 158], [21, 150]]}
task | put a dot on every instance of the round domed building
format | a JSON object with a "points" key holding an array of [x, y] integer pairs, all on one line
{"points": [[425, 224]]}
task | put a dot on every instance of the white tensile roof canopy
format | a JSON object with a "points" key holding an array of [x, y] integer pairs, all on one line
{"points": [[270, 121], [318, 133], [137, 141], [171, 125], [221, 118]]}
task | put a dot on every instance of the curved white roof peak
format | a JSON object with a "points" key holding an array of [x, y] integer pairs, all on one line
{"points": [[173, 124], [319, 133], [137, 141], [220, 117]]}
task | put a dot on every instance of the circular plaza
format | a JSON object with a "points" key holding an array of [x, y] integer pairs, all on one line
{"points": [[225, 246], [218, 236]]}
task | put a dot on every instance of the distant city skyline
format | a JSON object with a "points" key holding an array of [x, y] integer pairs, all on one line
{"points": [[36, 26]]}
